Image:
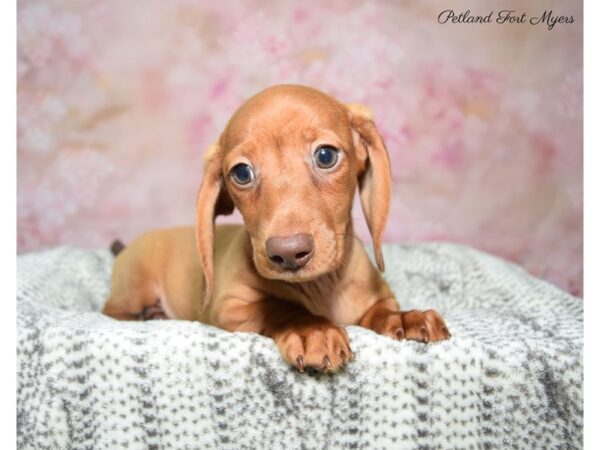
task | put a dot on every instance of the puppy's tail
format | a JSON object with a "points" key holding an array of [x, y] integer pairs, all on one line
{"points": [[116, 247]]}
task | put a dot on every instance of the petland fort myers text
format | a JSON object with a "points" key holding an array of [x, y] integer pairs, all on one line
{"points": [[505, 16]]}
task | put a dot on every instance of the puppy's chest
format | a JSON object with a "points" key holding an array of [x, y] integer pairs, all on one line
{"points": [[342, 305]]}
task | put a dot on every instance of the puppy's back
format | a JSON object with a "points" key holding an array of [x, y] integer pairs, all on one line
{"points": [[162, 267]]}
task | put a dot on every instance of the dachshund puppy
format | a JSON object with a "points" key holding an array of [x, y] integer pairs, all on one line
{"points": [[290, 160]]}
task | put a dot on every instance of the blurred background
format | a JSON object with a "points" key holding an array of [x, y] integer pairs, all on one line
{"points": [[117, 101]]}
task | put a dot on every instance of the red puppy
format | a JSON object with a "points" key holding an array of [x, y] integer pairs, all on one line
{"points": [[290, 160]]}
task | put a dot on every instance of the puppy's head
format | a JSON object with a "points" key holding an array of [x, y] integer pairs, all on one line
{"points": [[290, 160]]}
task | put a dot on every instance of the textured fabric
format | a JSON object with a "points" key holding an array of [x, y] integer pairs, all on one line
{"points": [[510, 376]]}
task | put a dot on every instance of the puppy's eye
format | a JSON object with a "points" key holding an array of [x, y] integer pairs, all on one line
{"points": [[326, 156], [242, 174]]}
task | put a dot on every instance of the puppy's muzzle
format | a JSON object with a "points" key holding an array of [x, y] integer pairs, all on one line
{"points": [[292, 252]]}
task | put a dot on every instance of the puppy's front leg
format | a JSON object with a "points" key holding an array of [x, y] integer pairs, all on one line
{"points": [[304, 339], [424, 326]]}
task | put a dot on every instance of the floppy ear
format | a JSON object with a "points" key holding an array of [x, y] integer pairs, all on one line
{"points": [[213, 200], [374, 176]]}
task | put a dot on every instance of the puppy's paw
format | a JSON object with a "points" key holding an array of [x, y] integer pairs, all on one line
{"points": [[324, 347], [422, 326], [153, 312]]}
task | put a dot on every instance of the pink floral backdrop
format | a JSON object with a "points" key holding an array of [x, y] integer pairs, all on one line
{"points": [[118, 99]]}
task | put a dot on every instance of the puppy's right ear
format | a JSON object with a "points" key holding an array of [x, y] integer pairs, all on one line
{"points": [[213, 200]]}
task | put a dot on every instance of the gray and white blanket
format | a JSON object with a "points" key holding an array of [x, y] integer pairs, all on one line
{"points": [[510, 376]]}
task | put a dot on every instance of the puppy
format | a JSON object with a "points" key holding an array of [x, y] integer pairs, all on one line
{"points": [[290, 160]]}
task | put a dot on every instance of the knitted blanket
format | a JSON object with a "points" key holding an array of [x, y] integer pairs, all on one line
{"points": [[510, 376]]}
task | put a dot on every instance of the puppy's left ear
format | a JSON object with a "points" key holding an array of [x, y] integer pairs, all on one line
{"points": [[374, 175]]}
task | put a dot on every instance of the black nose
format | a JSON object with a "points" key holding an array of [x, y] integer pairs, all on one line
{"points": [[291, 252]]}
